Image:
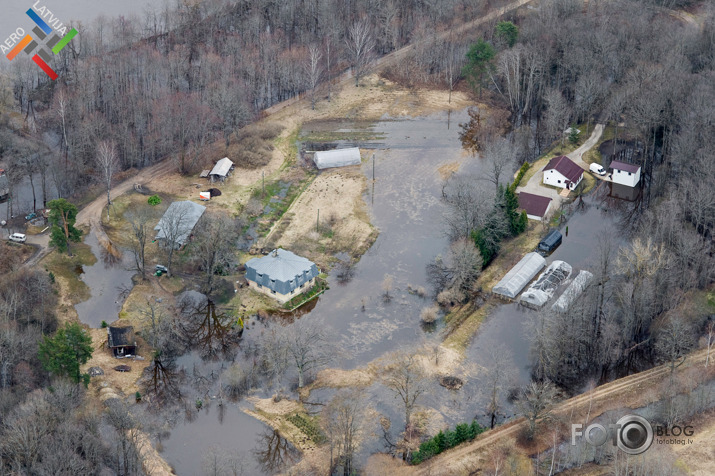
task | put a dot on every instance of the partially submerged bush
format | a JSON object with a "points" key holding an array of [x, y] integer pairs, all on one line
{"points": [[429, 315]]}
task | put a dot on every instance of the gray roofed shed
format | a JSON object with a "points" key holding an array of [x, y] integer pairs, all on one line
{"points": [[281, 271], [337, 158], [189, 213], [519, 276], [222, 168]]}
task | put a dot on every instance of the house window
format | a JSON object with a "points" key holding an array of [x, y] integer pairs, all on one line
{"points": [[629, 173], [559, 181], [273, 291], [259, 285]]}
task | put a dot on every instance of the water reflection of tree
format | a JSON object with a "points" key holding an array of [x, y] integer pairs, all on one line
{"points": [[273, 452], [212, 333]]}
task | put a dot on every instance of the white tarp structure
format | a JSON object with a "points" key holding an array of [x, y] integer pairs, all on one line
{"points": [[337, 158], [543, 288], [520, 275], [574, 290], [222, 169]]}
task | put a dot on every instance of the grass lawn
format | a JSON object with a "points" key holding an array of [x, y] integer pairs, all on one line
{"points": [[66, 270]]}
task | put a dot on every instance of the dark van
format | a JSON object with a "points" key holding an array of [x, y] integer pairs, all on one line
{"points": [[550, 242]]}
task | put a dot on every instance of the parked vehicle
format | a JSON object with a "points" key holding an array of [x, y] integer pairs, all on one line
{"points": [[550, 242], [31, 216], [18, 237], [160, 269], [597, 169]]}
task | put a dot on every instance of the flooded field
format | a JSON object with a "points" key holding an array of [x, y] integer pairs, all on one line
{"points": [[405, 205], [109, 280]]}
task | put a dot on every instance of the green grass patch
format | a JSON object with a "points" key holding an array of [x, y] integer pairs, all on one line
{"points": [[308, 426], [319, 288], [69, 269]]}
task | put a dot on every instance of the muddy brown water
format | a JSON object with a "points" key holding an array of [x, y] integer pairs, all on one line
{"points": [[108, 281]]}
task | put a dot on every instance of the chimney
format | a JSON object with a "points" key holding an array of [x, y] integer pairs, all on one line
{"points": [[275, 253]]}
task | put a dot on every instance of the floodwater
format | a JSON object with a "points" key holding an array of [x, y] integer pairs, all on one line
{"points": [[22, 205], [109, 280], [405, 205], [225, 431]]}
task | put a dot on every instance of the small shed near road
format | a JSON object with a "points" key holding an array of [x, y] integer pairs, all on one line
{"points": [[519, 276], [625, 174], [221, 170], [121, 341], [337, 158], [535, 206]]}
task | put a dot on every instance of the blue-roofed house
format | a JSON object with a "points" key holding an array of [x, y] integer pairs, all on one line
{"points": [[281, 274]]}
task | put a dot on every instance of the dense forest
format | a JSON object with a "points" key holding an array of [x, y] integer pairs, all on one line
{"points": [[185, 78]]}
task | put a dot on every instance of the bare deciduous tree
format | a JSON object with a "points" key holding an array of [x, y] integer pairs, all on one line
{"points": [[141, 220], [343, 421], [309, 346], [213, 247], [314, 71], [360, 43], [535, 402], [108, 162], [500, 375], [406, 379]]}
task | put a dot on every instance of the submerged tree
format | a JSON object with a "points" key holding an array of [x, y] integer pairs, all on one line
{"points": [[343, 421]]}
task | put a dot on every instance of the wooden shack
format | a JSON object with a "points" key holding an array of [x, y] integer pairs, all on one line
{"points": [[121, 341]]}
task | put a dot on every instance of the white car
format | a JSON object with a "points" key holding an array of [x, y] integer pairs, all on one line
{"points": [[597, 169], [17, 237]]}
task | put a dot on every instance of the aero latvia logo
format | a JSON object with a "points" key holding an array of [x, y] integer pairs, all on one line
{"points": [[57, 38]]}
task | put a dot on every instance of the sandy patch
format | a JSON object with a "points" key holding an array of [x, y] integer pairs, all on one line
{"points": [[448, 169], [697, 458], [339, 378], [282, 407]]}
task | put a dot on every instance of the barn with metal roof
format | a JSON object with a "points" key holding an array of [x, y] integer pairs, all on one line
{"points": [[281, 274]]}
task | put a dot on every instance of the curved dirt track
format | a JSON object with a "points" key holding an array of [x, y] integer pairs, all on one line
{"points": [[447, 462]]}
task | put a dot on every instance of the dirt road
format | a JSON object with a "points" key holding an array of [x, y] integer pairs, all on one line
{"points": [[400, 54], [613, 392]]}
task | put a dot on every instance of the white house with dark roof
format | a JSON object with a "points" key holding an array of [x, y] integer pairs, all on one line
{"points": [[625, 174], [562, 172], [535, 206], [281, 274]]}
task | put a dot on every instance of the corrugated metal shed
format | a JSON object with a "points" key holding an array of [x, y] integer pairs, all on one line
{"points": [[337, 158], [520, 275], [222, 167], [574, 290], [281, 271], [190, 212]]}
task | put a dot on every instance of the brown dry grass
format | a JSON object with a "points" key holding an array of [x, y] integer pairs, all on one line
{"points": [[697, 458], [119, 383], [338, 195]]}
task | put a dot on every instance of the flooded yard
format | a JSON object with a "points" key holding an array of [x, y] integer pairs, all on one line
{"points": [[405, 204], [109, 280]]}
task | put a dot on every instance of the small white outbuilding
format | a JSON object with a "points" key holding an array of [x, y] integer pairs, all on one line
{"points": [[337, 158], [625, 174]]}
